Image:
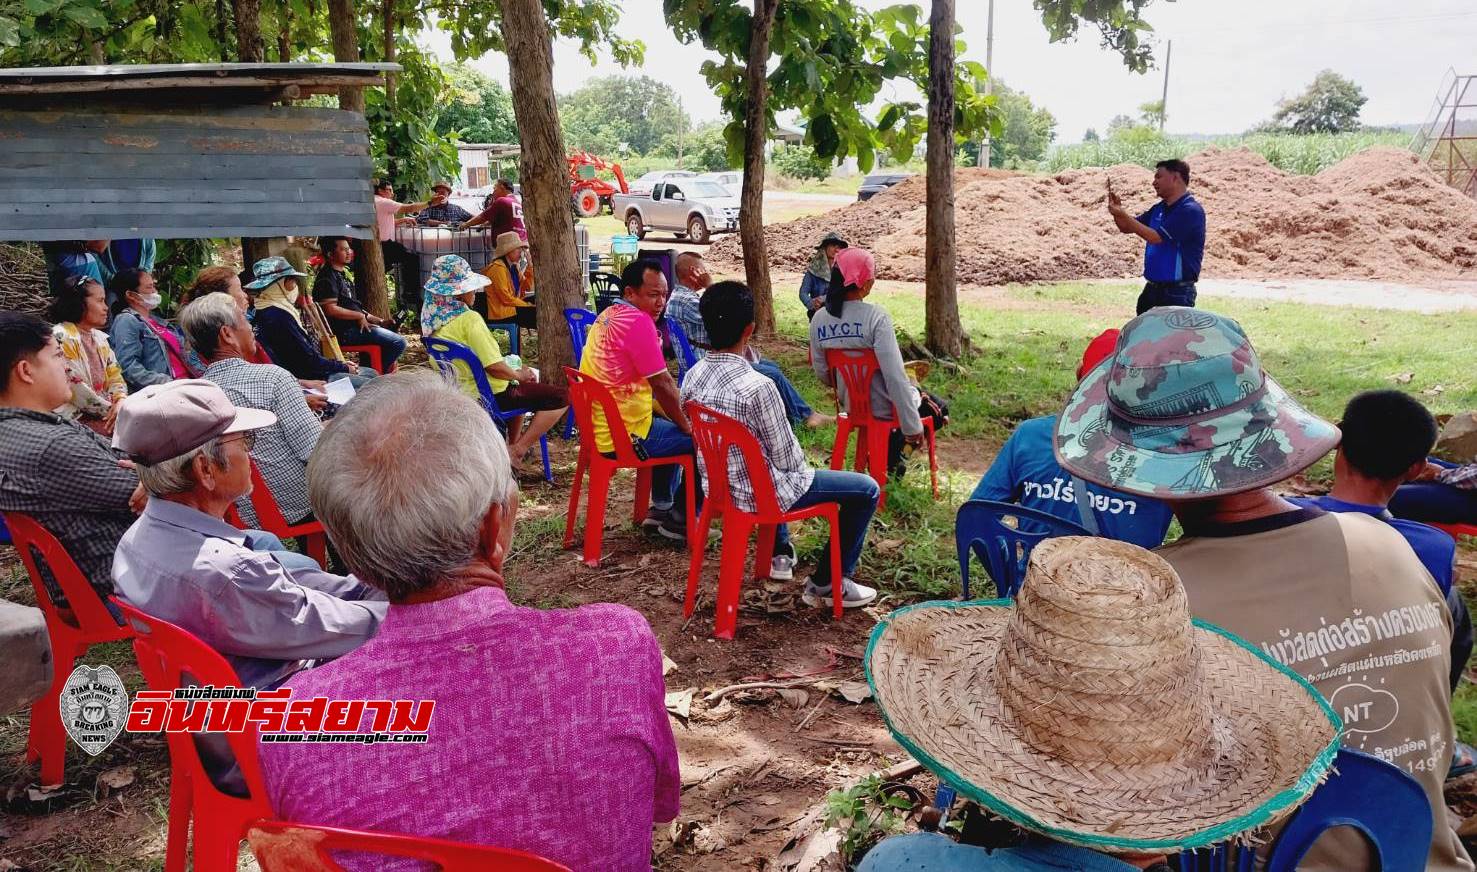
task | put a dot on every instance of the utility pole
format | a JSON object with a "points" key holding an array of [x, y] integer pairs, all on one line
{"points": [[1164, 95], [983, 158], [681, 131]]}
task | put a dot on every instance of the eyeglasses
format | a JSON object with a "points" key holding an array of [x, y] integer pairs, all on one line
{"points": [[246, 438]]}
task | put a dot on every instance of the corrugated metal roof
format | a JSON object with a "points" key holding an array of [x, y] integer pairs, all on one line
{"points": [[94, 172], [124, 76]]}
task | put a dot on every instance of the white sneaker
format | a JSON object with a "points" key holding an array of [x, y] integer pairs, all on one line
{"points": [[782, 567], [853, 595]]}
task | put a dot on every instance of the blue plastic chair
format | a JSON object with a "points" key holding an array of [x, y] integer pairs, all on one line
{"points": [[980, 527], [446, 353], [686, 357], [579, 321], [1364, 792], [512, 327]]}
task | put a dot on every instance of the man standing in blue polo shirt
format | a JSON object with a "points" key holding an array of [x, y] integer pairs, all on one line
{"points": [[1174, 229]]}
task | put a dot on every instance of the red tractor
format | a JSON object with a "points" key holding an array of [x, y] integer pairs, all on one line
{"points": [[589, 193]]}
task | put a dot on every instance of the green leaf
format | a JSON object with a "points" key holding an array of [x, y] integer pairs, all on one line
{"points": [[10, 32], [42, 7], [87, 16]]}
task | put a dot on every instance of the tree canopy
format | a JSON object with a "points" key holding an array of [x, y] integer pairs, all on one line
{"points": [[1026, 130], [1330, 104], [611, 112], [477, 108]]}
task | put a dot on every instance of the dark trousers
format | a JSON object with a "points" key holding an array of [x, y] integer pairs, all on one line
{"points": [[408, 290], [1165, 294], [1434, 502]]}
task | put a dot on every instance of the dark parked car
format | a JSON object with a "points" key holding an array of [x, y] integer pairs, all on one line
{"points": [[879, 182]]}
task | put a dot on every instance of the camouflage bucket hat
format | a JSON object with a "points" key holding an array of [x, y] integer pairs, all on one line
{"points": [[1183, 409]]}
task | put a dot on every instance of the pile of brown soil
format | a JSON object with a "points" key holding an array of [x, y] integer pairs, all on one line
{"points": [[1378, 214]]}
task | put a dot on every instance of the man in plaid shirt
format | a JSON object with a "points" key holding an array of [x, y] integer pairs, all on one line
{"points": [[725, 382], [683, 306], [65, 476], [220, 334]]}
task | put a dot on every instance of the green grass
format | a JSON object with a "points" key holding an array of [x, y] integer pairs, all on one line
{"points": [[1023, 365], [1303, 154]]}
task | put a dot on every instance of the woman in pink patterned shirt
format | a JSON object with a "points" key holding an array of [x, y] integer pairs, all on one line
{"points": [[550, 732]]}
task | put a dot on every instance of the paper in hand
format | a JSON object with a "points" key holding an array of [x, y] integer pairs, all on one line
{"points": [[340, 391]]}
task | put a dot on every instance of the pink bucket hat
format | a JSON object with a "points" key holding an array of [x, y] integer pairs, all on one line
{"points": [[856, 265]]}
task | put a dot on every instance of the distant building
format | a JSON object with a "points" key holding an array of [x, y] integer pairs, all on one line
{"points": [[482, 163]]}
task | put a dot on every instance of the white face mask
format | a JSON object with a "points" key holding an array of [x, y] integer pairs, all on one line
{"points": [[150, 301]]}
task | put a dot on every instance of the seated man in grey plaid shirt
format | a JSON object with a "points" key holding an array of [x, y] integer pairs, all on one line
{"points": [[220, 334], [725, 382]]}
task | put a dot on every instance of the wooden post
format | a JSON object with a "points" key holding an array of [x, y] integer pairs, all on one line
{"points": [[544, 174], [943, 333], [370, 269], [751, 196]]}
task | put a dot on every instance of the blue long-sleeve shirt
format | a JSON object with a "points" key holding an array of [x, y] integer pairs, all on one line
{"points": [[290, 348]]}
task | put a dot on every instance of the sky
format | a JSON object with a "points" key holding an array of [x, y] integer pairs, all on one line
{"points": [[1231, 60]]}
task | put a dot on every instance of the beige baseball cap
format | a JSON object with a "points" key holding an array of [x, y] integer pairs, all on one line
{"points": [[164, 421]]}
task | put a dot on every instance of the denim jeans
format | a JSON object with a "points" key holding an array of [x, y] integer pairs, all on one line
{"points": [[358, 380], [667, 492], [1165, 294], [267, 543], [391, 344], [1432, 501], [857, 493], [796, 409]]}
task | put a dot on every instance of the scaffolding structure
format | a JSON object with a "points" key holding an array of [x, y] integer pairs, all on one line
{"points": [[1447, 142]]}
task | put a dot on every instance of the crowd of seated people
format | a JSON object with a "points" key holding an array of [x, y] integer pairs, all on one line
{"points": [[137, 462]]}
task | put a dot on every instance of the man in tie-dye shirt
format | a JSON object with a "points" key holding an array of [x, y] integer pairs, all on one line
{"points": [[624, 352]]}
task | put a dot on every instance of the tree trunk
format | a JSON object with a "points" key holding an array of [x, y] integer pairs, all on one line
{"points": [[943, 334], [544, 172], [284, 36], [248, 15], [751, 197], [221, 20], [369, 269]]}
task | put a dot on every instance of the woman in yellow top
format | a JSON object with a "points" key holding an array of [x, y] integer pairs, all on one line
{"points": [[511, 277], [446, 314], [80, 312]]}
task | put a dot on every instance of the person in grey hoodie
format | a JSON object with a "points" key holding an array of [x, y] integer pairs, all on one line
{"points": [[848, 321]]}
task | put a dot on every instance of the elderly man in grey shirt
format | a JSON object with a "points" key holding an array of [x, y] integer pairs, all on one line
{"points": [[268, 612]]}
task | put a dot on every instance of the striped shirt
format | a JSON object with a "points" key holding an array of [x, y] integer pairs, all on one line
{"points": [[727, 384], [282, 450]]}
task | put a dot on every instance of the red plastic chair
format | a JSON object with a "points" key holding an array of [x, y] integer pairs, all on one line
{"points": [[72, 629], [281, 846], [854, 368], [373, 352], [270, 519], [584, 393], [170, 658], [1455, 530], [717, 436], [260, 355]]}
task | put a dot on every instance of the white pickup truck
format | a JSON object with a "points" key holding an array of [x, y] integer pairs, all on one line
{"points": [[694, 208]]}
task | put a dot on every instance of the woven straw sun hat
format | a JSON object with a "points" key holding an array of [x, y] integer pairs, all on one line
{"points": [[1094, 711]]}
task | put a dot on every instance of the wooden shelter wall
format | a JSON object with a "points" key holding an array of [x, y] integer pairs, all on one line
{"points": [[91, 171]]}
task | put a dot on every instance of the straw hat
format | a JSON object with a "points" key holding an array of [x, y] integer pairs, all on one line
{"points": [[1094, 712], [506, 242]]}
